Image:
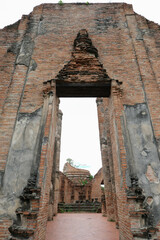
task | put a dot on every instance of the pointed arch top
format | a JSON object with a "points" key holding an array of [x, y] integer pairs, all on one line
{"points": [[83, 75]]}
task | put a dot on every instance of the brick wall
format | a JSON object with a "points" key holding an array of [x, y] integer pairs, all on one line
{"points": [[46, 161], [97, 192], [107, 159], [78, 185], [36, 48]]}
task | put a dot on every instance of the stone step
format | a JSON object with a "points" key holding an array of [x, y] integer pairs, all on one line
{"points": [[17, 238], [136, 197], [138, 213], [20, 232], [80, 204], [144, 233], [79, 207], [88, 207], [31, 193], [29, 213]]}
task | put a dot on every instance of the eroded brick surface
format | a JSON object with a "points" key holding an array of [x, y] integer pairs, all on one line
{"points": [[100, 46]]}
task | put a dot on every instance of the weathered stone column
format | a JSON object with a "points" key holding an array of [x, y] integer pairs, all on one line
{"points": [[55, 188], [46, 158], [107, 162], [119, 158], [58, 145]]}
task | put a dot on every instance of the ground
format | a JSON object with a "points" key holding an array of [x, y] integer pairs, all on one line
{"points": [[86, 226]]}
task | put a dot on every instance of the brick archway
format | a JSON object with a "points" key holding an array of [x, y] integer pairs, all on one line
{"points": [[84, 76]]}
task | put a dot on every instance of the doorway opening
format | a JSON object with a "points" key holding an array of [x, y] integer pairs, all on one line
{"points": [[83, 76], [80, 158], [81, 180], [80, 134]]}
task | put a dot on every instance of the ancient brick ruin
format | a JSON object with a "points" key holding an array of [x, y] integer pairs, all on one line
{"points": [[77, 179], [77, 50], [79, 190]]}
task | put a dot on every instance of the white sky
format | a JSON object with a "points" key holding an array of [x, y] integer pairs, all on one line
{"points": [[80, 136]]}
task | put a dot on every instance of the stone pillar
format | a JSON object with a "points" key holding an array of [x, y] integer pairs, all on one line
{"points": [[46, 157], [107, 163], [119, 158], [76, 194], [103, 202], [55, 188]]}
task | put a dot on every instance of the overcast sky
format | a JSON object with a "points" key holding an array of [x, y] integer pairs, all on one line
{"points": [[80, 136]]}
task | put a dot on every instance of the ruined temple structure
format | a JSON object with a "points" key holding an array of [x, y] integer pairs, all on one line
{"points": [[78, 50], [79, 191], [79, 185]]}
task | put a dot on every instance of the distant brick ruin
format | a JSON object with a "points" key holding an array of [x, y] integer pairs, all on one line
{"points": [[78, 50], [79, 185]]}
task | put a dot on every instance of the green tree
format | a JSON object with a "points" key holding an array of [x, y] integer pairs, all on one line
{"points": [[70, 161], [91, 177], [60, 2]]}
